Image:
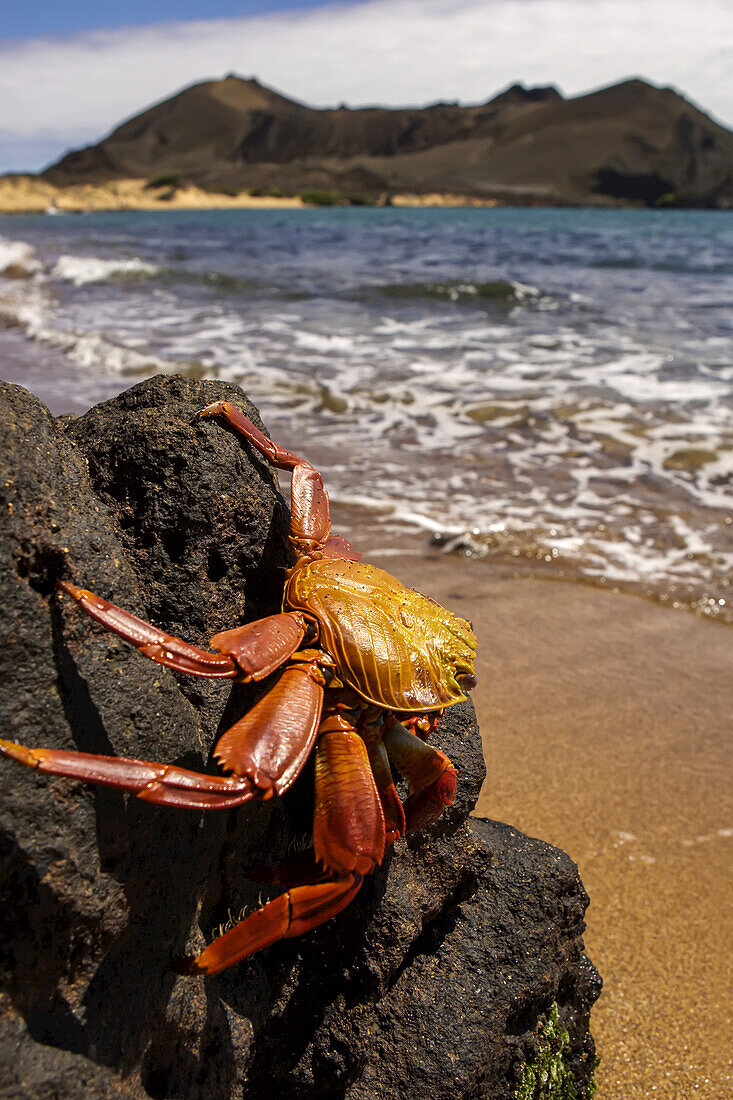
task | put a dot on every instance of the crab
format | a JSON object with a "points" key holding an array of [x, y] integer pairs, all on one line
{"points": [[361, 669]]}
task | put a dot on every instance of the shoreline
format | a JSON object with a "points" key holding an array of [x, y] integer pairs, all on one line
{"points": [[605, 723], [26, 194], [508, 566], [31, 195]]}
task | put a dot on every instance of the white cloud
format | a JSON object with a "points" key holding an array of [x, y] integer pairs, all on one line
{"points": [[394, 52]]}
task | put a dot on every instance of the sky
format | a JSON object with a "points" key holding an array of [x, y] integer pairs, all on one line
{"points": [[70, 73]]}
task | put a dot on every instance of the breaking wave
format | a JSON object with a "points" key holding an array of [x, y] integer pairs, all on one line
{"points": [[81, 270], [17, 259]]}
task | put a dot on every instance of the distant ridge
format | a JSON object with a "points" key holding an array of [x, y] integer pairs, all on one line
{"points": [[630, 144]]}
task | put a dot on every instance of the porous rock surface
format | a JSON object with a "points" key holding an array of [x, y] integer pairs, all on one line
{"points": [[433, 982]]}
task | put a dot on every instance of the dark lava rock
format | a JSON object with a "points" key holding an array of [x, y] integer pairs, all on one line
{"points": [[437, 978]]}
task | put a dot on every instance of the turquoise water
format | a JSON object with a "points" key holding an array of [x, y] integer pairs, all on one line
{"points": [[552, 387]]}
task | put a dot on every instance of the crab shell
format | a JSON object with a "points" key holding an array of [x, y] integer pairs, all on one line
{"points": [[392, 645]]}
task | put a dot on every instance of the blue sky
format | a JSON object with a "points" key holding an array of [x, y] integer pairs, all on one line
{"points": [[69, 73], [49, 17]]}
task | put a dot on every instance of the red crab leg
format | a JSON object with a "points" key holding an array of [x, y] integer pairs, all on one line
{"points": [[288, 915], [249, 652], [161, 783], [336, 546], [348, 825], [310, 522], [266, 750], [261, 647], [349, 838], [276, 455], [430, 773], [394, 814], [153, 643]]}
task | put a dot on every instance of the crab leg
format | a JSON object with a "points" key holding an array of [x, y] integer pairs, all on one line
{"points": [[394, 813], [349, 839], [276, 455], [348, 825], [266, 750], [290, 914], [162, 783], [153, 643], [261, 647], [249, 652], [431, 775], [310, 523]]}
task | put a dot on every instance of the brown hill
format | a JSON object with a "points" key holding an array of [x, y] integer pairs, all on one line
{"points": [[630, 143]]}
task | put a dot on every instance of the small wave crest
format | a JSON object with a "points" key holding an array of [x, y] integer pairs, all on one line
{"points": [[675, 576], [81, 270], [498, 291], [18, 259]]}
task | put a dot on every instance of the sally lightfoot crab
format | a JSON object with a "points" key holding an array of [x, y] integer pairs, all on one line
{"points": [[361, 669]]}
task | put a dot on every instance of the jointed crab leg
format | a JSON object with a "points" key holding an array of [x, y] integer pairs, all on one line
{"points": [[310, 523], [348, 825], [431, 775], [266, 750], [249, 652], [262, 646], [349, 839], [278, 456], [162, 783], [153, 643], [394, 814], [292, 913]]}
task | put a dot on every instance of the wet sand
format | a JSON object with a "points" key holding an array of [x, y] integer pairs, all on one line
{"points": [[607, 724]]}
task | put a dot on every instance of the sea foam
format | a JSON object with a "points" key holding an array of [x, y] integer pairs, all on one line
{"points": [[81, 270]]}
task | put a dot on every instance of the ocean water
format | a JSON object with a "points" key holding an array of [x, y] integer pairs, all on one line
{"points": [[553, 388]]}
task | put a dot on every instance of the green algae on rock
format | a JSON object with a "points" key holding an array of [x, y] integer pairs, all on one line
{"points": [[548, 1077]]}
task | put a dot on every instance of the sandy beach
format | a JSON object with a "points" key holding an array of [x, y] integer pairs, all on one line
{"points": [[24, 194], [606, 727], [31, 195]]}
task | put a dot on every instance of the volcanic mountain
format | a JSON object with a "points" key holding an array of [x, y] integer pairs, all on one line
{"points": [[632, 143]]}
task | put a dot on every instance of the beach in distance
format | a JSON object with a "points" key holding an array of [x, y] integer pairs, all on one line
{"points": [[527, 414], [25, 194]]}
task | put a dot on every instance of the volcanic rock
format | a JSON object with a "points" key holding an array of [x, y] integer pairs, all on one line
{"points": [[436, 981], [629, 144]]}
